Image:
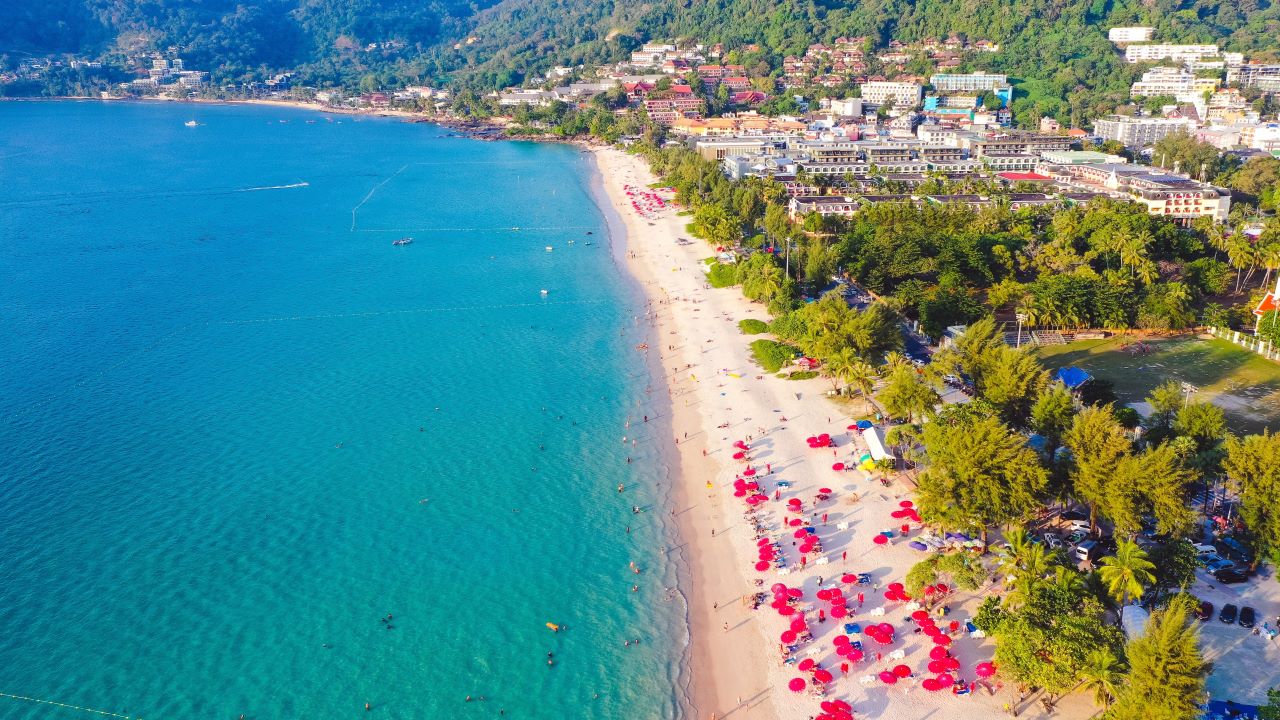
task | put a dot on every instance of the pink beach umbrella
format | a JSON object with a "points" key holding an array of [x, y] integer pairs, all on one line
{"points": [[796, 684], [902, 671], [822, 676], [806, 664], [880, 540], [984, 669], [888, 678], [837, 466], [930, 684], [762, 566], [941, 640]]}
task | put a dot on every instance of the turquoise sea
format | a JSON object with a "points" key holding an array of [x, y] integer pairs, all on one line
{"points": [[239, 428]]}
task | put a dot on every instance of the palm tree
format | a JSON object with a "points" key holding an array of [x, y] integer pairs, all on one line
{"points": [[894, 360], [1027, 562], [1127, 573], [861, 378], [1102, 674]]}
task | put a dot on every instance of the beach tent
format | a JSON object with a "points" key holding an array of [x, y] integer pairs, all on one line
{"points": [[1073, 377], [874, 446], [1134, 621]]}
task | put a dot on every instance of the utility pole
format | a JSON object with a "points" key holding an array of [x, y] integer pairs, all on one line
{"points": [[1022, 317], [1187, 388]]}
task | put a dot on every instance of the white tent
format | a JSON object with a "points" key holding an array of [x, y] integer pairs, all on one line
{"points": [[874, 446], [1134, 621]]}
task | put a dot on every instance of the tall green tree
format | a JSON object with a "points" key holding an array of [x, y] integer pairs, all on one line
{"points": [[1252, 465], [979, 471], [1127, 573], [1166, 668], [1097, 443], [906, 395]]}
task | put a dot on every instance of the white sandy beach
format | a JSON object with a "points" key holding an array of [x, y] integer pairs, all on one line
{"points": [[738, 673]]}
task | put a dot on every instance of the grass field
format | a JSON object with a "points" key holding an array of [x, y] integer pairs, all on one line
{"points": [[1243, 384]]}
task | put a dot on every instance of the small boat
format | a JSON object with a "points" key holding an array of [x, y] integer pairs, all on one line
{"points": [[553, 627], [544, 292], [402, 241], [191, 123], [549, 248]]}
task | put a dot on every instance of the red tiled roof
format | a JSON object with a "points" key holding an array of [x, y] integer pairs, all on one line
{"points": [[1268, 304], [1029, 176]]}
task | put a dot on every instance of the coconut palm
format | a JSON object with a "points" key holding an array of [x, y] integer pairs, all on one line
{"points": [[1103, 675], [1127, 573]]}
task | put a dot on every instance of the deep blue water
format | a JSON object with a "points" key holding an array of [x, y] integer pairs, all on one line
{"points": [[222, 406]]}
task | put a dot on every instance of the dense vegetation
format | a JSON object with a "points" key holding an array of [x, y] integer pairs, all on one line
{"points": [[1057, 50]]}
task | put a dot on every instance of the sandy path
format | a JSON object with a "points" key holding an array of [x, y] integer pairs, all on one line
{"points": [[738, 673]]}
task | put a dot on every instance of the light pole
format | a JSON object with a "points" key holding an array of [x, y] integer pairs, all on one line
{"points": [[1022, 317], [1187, 388]]}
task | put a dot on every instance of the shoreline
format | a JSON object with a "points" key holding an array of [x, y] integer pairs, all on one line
{"points": [[718, 396]]}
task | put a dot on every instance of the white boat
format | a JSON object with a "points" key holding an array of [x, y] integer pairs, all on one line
{"points": [[191, 123], [402, 241], [544, 292], [549, 248]]}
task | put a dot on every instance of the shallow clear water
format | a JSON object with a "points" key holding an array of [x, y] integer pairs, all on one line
{"points": [[222, 406]]}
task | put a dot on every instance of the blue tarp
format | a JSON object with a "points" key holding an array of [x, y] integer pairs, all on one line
{"points": [[1073, 377], [1217, 709]]}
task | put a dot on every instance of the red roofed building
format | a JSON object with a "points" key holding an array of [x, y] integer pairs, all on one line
{"points": [[750, 97], [1023, 177], [1270, 303], [736, 84]]}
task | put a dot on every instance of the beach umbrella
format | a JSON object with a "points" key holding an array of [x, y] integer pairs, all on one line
{"points": [[838, 612], [796, 684], [786, 610], [837, 467], [930, 684], [938, 653], [929, 589], [942, 588], [823, 594], [740, 493], [885, 628], [822, 676], [849, 578], [795, 522], [787, 637], [794, 502], [896, 586], [795, 592], [811, 439], [800, 533], [854, 654], [937, 666], [853, 427], [880, 540], [825, 491], [840, 640], [749, 472], [906, 504], [778, 588], [739, 455], [753, 486], [888, 678], [942, 640], [763, 541], [898, 514], [953, 664], [827, 706], [806, 664], [984, 669], [798, 625], [842, 706], [902, 671], [762, 565], [920, 615], [945, 680]]}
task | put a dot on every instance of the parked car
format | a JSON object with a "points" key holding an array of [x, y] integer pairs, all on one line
{"points": [[1076, 538], [1078, 525], [1231, 576], [1086, 550], [1219, 564], [1052, 540], [1228, 614], [1227, 547], [1068, 515], [1247, 617], [1203, 551], [1205, 611]]}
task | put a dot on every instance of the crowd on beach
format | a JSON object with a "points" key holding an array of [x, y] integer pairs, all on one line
{"points": [[648, 203], [829, 591]]}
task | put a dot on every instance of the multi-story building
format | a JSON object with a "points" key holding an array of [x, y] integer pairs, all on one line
{"points": [[900, 94], [1138, 132], [1165, 194], [1177, 82], [1252, 74], [1177, 53], [1261, 137], [976, 82], [1133, 34]]}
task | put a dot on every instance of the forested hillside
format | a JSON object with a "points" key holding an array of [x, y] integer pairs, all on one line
{"points": [[1056, 49]]}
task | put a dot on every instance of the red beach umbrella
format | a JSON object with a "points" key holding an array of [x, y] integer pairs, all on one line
{"points": [[825, 491], [795, 592], [902, 671], [763, 541], [798, 625], [938, 653], [842, 706], [787, 637], [777, 588], [854, 654], [749, 472], [786, 610], [762, 565], [946, 680], [888, 678], [739, 455], [800, 533], [984, 669], [838, 612], [822, 676], [794, 502], [840, 640], [896, 586], [837, 467], [822, 594], [906, 504], [805, 664], [938, 666], [942, 640], [796, 684], [849, 578], [930, 684], [739, 493], [880, 540], [942, 588], [920, 616]]}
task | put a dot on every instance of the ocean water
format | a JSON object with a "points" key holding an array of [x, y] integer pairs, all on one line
{"points": [[238, 428]]}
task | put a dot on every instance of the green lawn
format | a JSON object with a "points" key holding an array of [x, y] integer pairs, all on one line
{"points": [[1242, 383]]}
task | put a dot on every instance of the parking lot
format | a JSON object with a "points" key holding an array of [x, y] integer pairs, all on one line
{"points": [[1244, 664]]}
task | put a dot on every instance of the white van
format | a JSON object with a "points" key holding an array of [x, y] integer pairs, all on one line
{"points": [[1203, 551], [1085, 550]]}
